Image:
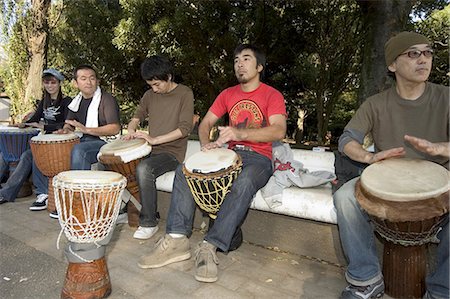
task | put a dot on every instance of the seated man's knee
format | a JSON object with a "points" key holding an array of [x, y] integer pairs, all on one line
{"points": [[144, 170]]}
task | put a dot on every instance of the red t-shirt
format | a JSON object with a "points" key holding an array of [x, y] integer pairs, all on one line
{"points": [[250, 110]]}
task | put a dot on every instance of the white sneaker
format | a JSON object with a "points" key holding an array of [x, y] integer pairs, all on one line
{"points": [[145, 233]]}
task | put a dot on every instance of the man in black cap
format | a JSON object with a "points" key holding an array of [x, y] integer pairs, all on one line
{"points": [[410, 119]]}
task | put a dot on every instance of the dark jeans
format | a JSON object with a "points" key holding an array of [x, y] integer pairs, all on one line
{"points": [[146, 173], [256, 171]]}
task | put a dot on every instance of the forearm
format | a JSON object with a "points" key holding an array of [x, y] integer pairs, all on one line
{"points": [[106, 130], [356, 152], [171, 136], [133, 125], [266, 134], [203, 132]]}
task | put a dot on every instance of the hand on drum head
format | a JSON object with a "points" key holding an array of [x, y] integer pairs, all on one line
{"points": [[209, 146], [390, 153], [425, 146], [77, 125], [143, 135]]}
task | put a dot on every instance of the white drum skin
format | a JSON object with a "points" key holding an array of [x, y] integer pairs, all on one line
{"points": [[211, 161]]}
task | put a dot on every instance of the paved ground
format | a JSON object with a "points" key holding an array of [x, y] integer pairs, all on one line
{"points": [[32, 267]]}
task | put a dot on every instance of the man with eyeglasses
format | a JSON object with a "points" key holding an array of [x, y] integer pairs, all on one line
{"points": [[408, 120]]}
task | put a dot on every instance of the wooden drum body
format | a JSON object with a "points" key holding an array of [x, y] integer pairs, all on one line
{"points": [[123, 156], [51, 153], [210, 175], [88, 203], [407, 200]]}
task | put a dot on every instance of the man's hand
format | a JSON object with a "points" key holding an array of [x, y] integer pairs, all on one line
{"points": [[227, 134], [77, 125], [425, 146], [141, 135], [210, 146], [390, 153]]}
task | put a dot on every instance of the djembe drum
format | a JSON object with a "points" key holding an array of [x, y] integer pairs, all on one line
{"points": [[123, 156], [210, 175], [406, 200], [88, 203], [51, 153], [13, 143]]}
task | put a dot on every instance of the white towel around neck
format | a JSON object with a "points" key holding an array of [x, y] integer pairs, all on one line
{"points": [[92, 113]]}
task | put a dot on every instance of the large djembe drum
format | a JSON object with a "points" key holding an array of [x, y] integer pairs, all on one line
{"points": [[88, 203], [406, 200], [123, 156], [210, 175], [51, 153], [13, 143]]}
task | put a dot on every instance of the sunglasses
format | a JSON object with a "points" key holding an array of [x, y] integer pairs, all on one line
{"points": [[416, 53]]}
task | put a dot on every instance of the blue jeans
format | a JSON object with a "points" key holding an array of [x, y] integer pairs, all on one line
{"points": [[20, 175], [256, 171], [85, 153], [146, 173], [358, 241], [3, 167]]}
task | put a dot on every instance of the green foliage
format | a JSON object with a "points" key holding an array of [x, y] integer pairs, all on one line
{"points": [[437, 28], [15, 22]]}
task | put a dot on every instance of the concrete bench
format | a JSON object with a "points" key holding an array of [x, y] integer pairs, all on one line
{"points": [[306, 203]]}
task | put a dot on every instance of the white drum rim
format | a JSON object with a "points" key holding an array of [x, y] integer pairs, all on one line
{"points": [[120, 146], [88, 177], [414, 182], [211, 161], [54, 137]]}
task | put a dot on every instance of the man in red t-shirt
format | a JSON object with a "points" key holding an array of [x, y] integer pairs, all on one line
{"points": [[257, 117]]}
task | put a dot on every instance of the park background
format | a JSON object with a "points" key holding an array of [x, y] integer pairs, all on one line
{"points": [[325, 56]]}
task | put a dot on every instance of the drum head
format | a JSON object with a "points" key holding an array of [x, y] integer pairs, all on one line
{"points": [[120, 146], [88, 177], [54, 137], [405, 179], [211, 161]]}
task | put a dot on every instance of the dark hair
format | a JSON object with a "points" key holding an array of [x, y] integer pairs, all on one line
{"points": [[259, 55], [84, 67], [157, 68], [47, 97]]}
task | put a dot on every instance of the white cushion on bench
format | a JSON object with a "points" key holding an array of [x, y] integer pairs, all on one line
{"points": [[308, 203]]}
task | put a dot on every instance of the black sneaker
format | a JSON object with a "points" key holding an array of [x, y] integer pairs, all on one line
{"points": [[54, 215], [375, 290], [40, 203]]}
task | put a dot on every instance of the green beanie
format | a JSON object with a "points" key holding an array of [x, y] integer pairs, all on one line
{"points": [[397, 44]]}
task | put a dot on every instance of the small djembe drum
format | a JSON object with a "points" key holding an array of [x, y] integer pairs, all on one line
{"points": [[123, 156], [13, 143], [210, 175], [406, 200], [88, 203], [51, 153]]}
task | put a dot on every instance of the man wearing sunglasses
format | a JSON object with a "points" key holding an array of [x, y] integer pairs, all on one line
{"points": [[408, 120]]}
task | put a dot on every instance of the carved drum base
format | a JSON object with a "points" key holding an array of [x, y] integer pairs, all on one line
{"points": [[404, 270], [87, 280]]}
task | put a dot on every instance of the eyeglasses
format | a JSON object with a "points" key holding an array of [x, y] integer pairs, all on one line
{"points": [[416, 53]]}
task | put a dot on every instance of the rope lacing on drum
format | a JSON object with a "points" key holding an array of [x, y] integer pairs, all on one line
{"points": [[99, 205], [409, 238]]}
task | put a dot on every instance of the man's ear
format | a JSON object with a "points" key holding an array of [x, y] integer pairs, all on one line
{"points": [[259, 68], [393, 67], [74, 83]]}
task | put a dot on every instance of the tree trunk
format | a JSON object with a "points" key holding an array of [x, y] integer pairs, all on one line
{"points": [[37, 45], [383, 19]]}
